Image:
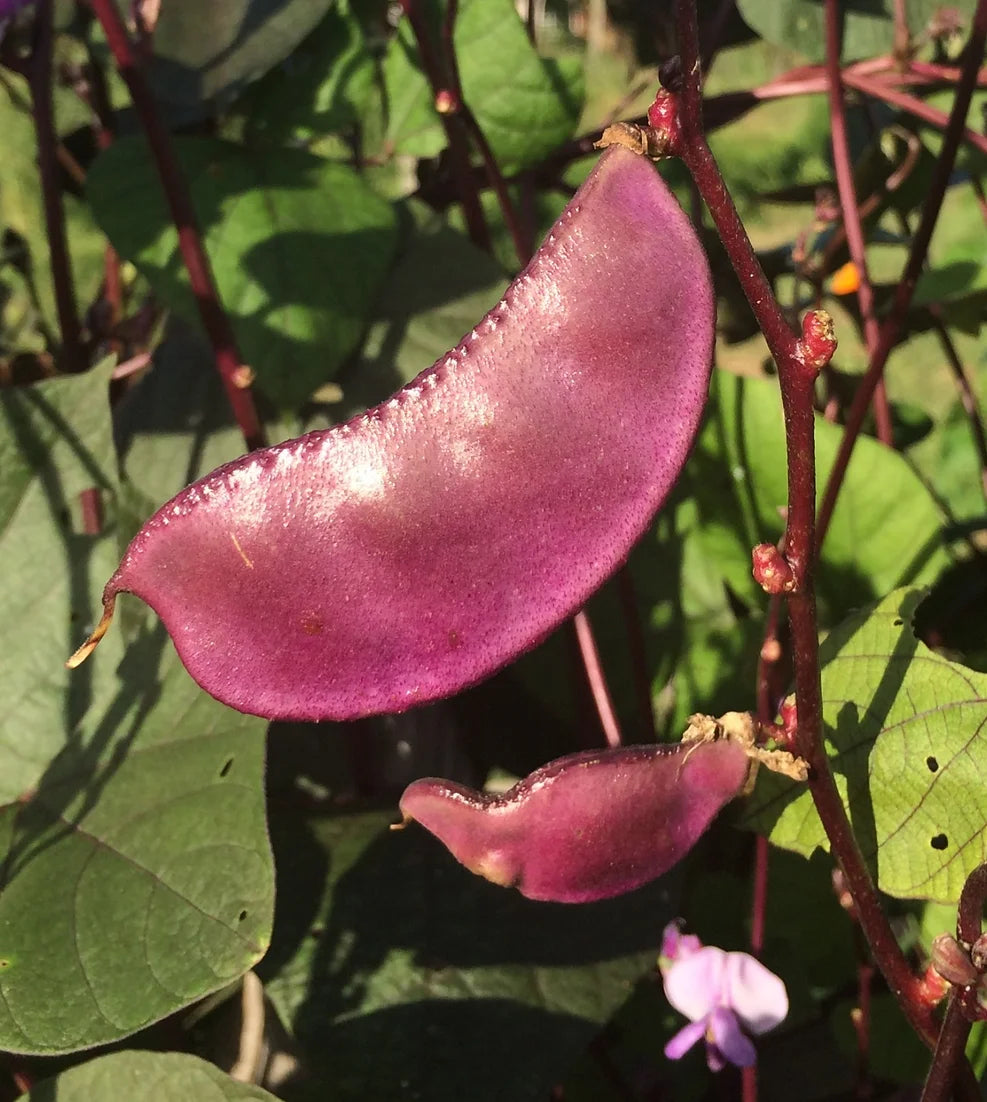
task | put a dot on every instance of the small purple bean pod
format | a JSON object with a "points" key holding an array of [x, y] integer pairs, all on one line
{"points": [[416, 549], [588, 826]]}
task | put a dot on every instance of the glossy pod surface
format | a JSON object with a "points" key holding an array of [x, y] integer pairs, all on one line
{"points": [[414, 550], [589, 826]]}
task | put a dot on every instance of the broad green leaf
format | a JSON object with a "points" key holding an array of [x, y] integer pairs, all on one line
{"points": [[525, 105], [886, 530], [868, 28], [145, 1077], [299, 247], [132, 829], [904, 732], [175, 424], [204, 51], [321, 88], [22, 207], [136, 876], [401, 975], [56, 448]]}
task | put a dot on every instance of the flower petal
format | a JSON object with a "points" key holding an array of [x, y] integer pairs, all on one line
{"points": [[674, 944], [757, 995], [727, 1040], [694, 984], [686, 1037]]}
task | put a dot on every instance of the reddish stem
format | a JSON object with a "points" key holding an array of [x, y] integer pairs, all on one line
{"points": [[214, 319], [597, 679], [913, 106], [39, 77], [797, 387], [850, 207], [913, 268], [459, 158]]}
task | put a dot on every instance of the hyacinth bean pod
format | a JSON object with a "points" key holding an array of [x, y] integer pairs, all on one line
{"points": [[588, 826], [416, 549]]}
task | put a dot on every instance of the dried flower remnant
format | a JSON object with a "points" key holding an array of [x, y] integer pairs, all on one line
{"points": [[725, 996], [413, 551]]}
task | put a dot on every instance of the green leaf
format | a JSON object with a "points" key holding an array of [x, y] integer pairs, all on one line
{"points": [[401, 975], [135, 872], [321, 89], [56, 445], [22, 207], [868, 28], [202, 52], [137, 877], [886, 530], [525, 105], [175, 424], [145, 1077], [299, 247], [904, 733]]}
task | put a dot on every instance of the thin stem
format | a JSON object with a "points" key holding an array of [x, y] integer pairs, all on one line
{"points": [[214, 319], [521, 239], [40, 82], [459, 159], [913, 268], [597, 680], [941, 1080], [797, 386], [880, 89], [850, 208]]}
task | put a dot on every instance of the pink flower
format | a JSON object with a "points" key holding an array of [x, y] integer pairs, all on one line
{"points": [[725, 996]]}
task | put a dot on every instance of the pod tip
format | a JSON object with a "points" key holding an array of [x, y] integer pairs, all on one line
{"points": [[92, 642]]}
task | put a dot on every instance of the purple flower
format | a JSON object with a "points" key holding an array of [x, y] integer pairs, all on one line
{"points": [[722, 994]]}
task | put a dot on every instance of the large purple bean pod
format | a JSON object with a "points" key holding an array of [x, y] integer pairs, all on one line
{"points": [[414, 550], [588, 826]]}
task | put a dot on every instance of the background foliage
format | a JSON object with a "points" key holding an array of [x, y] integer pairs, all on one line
{"points": [[144, 841]]}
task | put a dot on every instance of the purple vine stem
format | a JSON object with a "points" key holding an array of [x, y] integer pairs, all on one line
{"points": [[941, 1081], [39, 75], [797, 391], [236, 378], [891, 328]]}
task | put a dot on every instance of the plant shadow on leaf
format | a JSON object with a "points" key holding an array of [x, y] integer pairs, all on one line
{"points": [[299, 248], [421, 978], [200, 54]]}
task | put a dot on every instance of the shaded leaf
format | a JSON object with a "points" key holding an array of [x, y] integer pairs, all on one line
{"points": [[22, 207], [525, 105], [201, 52], [298, 245], [145, 1077], [132, 829], [904, 732], [436, 988]]}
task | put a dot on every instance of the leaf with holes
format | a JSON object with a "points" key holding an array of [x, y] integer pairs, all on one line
{"points": [[145, 1077], [905, 734]]}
